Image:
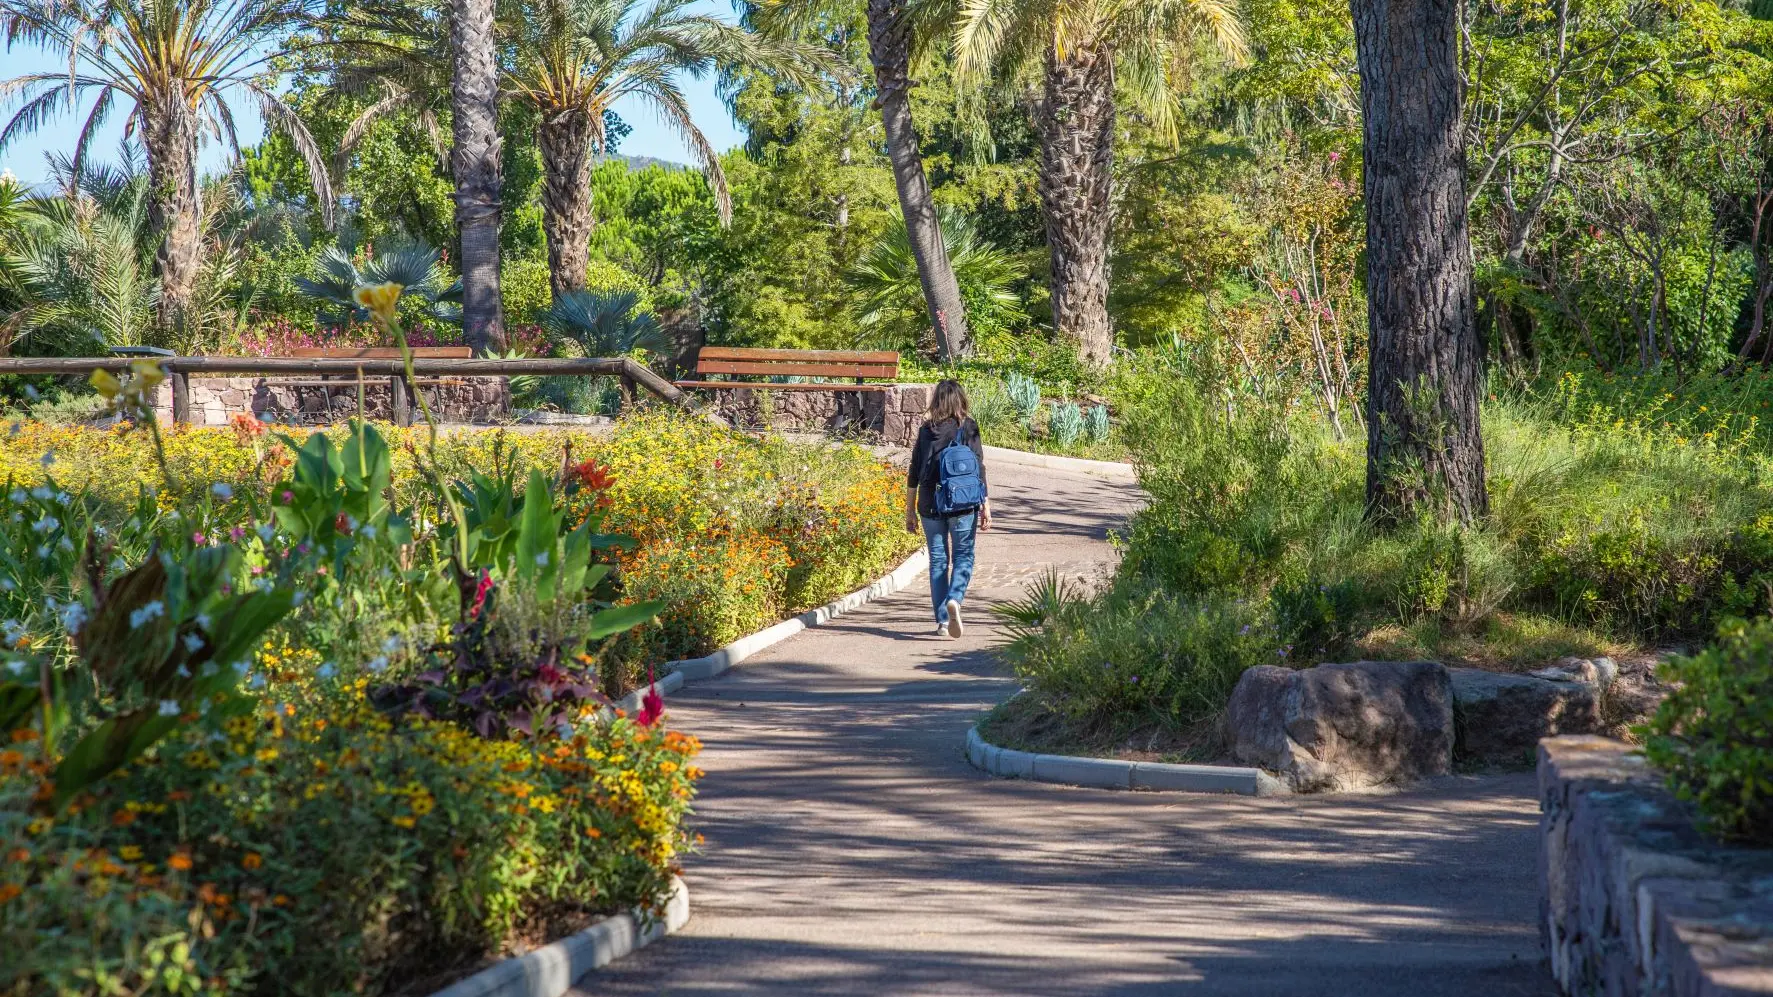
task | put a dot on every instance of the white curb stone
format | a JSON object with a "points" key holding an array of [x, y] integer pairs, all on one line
{"points": [[708, 666], [552, 969], [1112, 773], [1077, 465]]}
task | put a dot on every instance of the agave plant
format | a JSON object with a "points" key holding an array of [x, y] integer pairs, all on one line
{"points": [[604, 324], [414, 266]]}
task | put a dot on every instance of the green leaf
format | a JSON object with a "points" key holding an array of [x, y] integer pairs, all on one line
{"points": [[614, 621], [538, 529], [17, 700]]}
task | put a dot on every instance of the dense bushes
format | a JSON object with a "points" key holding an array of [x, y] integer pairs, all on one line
{"points": [[1606, 534], [1714, 733], [330, 852]]}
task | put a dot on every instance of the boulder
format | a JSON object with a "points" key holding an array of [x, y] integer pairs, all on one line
{"points": [[1503, 716], [1344, 726]]}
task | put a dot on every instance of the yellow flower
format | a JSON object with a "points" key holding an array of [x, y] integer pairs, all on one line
{"points": [[130, 853], [148, 374], [380, 299], [406, 822], [107, 385]]}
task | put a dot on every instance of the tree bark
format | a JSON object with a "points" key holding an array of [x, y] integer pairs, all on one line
{"points": [[1076, 124], [889, 48], [169, 135], [474, 160], [1425, 453], [566, 138]]}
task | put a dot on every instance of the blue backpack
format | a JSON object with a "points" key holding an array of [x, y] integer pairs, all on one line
{"points": [[959, 488]]}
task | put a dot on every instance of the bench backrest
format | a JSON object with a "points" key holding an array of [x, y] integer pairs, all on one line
{"points": [[384, 352], [806, 363]]}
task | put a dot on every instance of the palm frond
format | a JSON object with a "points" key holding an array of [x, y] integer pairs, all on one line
{"points": [[604, 324]]}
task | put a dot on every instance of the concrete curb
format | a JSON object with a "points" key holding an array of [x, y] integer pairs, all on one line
{"points": [[552, 969], [1078, 465], [708, 666], [1112, 773]]}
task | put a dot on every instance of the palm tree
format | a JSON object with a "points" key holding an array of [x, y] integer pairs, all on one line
{"points": [[475, 165], [575, 58], [415, 267], [1080, 46], [887, 280], [175, 62], [604, 324], [77, 277]]}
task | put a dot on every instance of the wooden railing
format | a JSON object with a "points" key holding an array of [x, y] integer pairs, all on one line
{"points": [[179, 370]]}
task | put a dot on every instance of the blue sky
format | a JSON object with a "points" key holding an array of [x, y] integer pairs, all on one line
{"points": [[651, 136]]}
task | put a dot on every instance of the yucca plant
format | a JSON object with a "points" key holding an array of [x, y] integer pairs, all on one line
{"points": [[173, 64]]}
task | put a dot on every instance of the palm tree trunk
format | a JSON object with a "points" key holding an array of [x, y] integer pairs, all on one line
{"points": [[889, 47], [565, 138], [474, 161], [169, 135], [1076, 124], [1425, 453]]}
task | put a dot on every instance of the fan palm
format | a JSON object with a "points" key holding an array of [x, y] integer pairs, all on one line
{"points": [[1081, 47], [576, 58], [604, 324], [416, 268], [887, 279], [174, 62]]}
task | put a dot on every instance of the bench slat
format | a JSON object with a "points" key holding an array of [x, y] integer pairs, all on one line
{"points": [[802, 369], [814, 356], [757, 386], [384, 352]]}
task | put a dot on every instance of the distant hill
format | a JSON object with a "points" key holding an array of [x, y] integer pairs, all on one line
{"points": [[642, 162]]}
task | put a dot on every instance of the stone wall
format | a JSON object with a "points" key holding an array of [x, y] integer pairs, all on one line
{"points": [[216, 400], [890, 416], [1634, 900]]}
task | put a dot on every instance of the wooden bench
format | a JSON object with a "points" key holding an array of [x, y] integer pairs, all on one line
{"points": [[856, 364]]}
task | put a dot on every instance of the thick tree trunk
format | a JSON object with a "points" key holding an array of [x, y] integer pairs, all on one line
{"points": [[169, 135], [566, 138], [1076, 123], [1424, 449], [889, 47], [474, 160]]}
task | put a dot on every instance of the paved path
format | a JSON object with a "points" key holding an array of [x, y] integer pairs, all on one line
{"points": [[852, 850]]}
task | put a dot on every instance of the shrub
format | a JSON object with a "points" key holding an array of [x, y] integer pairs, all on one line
{"points": [[1024, 395], [1066, 424], [720, 588], [1096, 424], [1713, 735], [330, 853]]}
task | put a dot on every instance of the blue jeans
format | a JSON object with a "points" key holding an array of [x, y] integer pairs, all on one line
{"points": [[950, 570]]}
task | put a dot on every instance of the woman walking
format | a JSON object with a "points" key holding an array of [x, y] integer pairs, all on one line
{"points": [[945, 494]]}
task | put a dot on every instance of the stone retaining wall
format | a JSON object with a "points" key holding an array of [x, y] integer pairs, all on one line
{"points": [[1634, 900], [890, 416], [216, 400]]}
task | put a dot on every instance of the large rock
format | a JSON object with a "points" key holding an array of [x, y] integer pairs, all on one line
{"points": [[1502, 717], [1344, 726]]}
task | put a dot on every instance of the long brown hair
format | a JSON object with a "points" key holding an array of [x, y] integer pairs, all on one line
{"points": [[949, 401]]}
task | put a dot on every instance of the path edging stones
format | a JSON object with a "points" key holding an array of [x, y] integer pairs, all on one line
{"points": [[1113, 773], [551, 970], [696, 669], [1100, 468]]}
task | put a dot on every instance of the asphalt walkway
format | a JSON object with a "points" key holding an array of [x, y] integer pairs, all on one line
{"points": [[852, 850]]}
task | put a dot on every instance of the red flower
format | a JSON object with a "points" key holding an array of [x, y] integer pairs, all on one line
{"points": [[594, 476], [342, 523], [480, 592], [550, 674], [652, 705]]}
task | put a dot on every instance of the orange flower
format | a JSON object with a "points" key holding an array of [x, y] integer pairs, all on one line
{"points": [[123, 818], [19, 855], [592, 832], [8, 891], [23, 734], [180, 861], [252, 860]]}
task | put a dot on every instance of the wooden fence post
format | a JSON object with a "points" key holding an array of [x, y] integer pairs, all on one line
{"points": [[181, 397], [402, 414]]}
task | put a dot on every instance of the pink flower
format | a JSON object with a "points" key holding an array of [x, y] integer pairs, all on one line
{"points": [[480, 592], [199, 539], [652, 705], [288, 496]]}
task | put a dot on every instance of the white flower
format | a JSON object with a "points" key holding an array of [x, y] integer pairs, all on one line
{"points": [[65, 544], [256, 682], [326, 670], [391, 645], [18, 495], [73, 617], [183, 672], [46, 524], [193, 643], [299, 598], [203, 620], [32, 393], [150, 611], [209, 668], [119, 564], [43, 551], [169, 707], [266, 532], [240, 667], [369, 532], [542, 559], [41, 493], [222, 490], [15, 666], [350, 524], [7, 585], [377, 663], [18, 517]]}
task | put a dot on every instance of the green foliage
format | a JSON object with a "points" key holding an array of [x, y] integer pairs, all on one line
{"points": [[416, 268], [604, 324], [890, 306], [1066, 423], [1712, 734], [1096, 424], [1024, 396]]}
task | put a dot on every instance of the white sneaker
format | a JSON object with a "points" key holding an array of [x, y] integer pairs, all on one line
{"points": [[955, 627], [941, 629]]}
